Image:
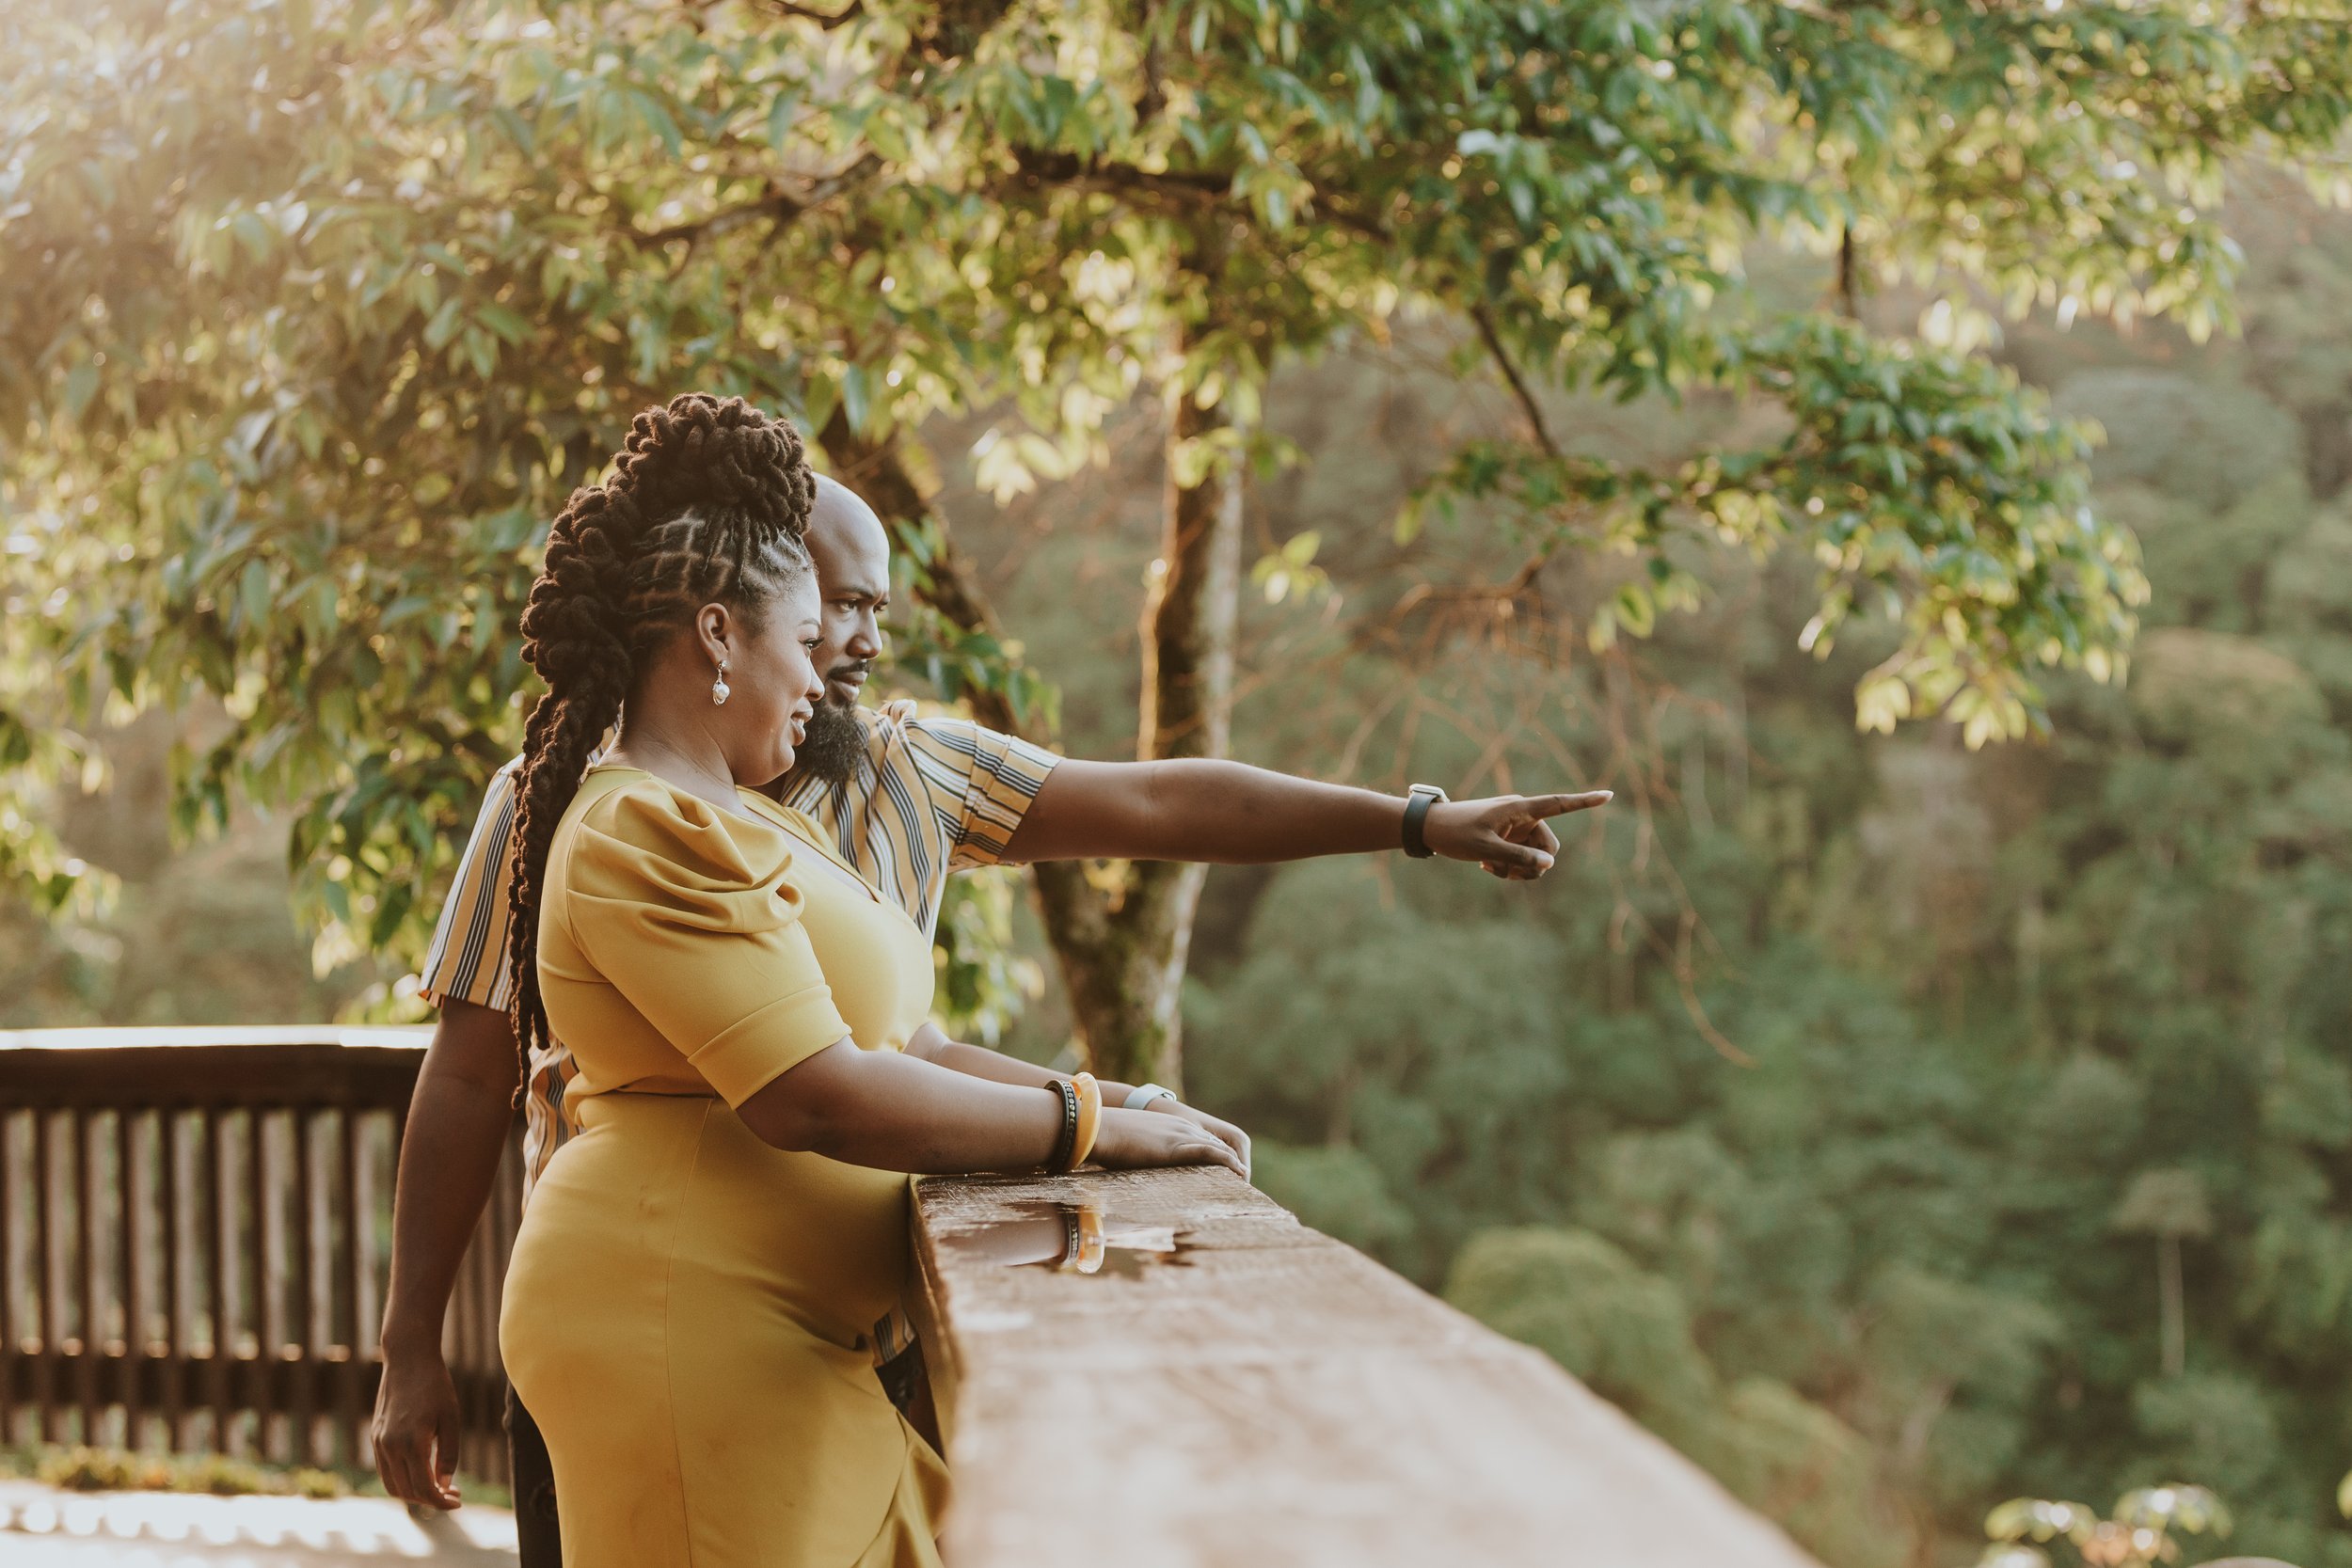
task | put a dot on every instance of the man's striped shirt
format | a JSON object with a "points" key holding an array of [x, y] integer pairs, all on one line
{"points": [[932, 796]]}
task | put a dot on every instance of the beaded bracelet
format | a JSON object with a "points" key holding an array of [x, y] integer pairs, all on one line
{"points": [[1066, 1141]]}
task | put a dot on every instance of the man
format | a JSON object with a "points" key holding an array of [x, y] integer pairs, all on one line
{"points": [[908, 801]]}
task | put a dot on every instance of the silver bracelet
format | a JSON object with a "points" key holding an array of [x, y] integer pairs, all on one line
{"points": [[1141, 1095]]}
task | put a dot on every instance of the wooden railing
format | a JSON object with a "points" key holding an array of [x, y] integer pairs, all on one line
{"points": [[1227, 1387], [1160, 1369], [194, 1232]]}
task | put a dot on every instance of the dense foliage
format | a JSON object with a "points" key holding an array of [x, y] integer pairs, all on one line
{"points": [[2008, 1025], [317, 310]]}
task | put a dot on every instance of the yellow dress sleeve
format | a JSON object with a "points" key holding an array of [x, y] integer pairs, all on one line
{"points": [[693, 917]]}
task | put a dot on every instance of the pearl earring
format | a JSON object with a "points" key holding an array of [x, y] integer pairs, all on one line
{"points": [[719, 687]]}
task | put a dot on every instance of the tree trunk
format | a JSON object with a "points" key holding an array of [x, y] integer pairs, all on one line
{"points": [[1123, 948], [1123, 935], [2174, 1310]]}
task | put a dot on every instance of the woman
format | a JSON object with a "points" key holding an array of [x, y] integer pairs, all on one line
{"points": [[692, 1290]]}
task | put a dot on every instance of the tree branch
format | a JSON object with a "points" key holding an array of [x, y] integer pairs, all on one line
{"points": [[826, 20], [1493, 339], [1849, 289], [1037, 166], [780, 206]]}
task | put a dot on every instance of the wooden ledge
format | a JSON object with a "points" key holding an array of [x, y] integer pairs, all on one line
{"points": [[1263, 1394], [310, 1066], [390, 1037]]}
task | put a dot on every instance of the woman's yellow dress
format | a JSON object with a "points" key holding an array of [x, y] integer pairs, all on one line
{"points": [[688, 1314]]}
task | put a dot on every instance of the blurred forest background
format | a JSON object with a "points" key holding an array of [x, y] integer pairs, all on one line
{"points": [[1840, 1104]]}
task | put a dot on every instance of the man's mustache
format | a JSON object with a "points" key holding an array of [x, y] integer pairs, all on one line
{"points": [[844, 672]]}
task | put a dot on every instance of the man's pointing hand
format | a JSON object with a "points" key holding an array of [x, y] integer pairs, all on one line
{"points": [[1505, 833]]}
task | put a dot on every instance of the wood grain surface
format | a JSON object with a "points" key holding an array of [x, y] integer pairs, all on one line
{"points": [[1265, 1395]]}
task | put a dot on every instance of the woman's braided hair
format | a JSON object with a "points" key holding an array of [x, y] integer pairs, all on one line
{"points": [[709, 504]]}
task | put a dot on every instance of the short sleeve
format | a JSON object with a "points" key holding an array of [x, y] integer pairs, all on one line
{"points": [[693, 917], [982, 780], [466, 961]]}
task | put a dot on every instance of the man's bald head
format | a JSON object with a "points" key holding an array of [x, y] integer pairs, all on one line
{"points": [[841, 523]]}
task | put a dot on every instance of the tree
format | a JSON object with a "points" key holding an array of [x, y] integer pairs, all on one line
{"points": [[1982, 993], [332, 303], [2167, 1205]]}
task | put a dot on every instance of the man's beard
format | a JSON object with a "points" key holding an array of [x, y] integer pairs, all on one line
{"points": [[833, 745]]}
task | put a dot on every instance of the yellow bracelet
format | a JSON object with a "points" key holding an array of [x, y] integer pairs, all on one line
{"points": [[1090, 1118], [1082, 1248]]}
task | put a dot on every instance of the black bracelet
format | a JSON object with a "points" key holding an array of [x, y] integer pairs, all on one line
{"points": [[1066, 1144], [1072, 1238], [1416, 818]]}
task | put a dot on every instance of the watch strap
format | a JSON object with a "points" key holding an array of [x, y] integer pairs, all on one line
{"points": [[1417, 802], [1142, 1095]]}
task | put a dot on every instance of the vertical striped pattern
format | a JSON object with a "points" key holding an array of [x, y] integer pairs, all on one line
{"points": [[934, 796], [470, 941]]}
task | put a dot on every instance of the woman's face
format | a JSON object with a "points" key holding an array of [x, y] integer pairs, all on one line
{"points": [[773, 685]]}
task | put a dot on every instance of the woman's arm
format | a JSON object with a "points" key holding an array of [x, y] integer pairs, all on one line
{"points": [[893, 1112], [932, 1044], [714, 958]]}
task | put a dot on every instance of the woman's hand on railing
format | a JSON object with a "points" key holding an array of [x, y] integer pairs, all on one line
{"points": [[1226, 1132], [416, 1428], [1133, 1140]]}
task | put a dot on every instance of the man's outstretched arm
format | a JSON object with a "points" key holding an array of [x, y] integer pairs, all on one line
{"points": [[1231, 814], [449, 1156]]}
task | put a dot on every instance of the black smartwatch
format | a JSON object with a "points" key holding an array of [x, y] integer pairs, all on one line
{"points": [[1417, 803]]}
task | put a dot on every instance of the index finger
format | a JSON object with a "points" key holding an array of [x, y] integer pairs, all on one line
{"points": [[1560, 805], [1219, 1153]]}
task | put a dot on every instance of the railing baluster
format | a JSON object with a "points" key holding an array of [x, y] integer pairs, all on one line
{"points": [[351, 1327], [87, 1258], [45, 1305], [270, 1305], [220, 1228], [303, 1132], [171, 1152], [9, 1331], [130, 1270]]}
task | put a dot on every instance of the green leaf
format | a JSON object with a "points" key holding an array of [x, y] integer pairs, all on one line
{"points": [[782, 109], [856, 401], [510, 327], [481, 351], [253, 233], [81, 385], [444, 324]]}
